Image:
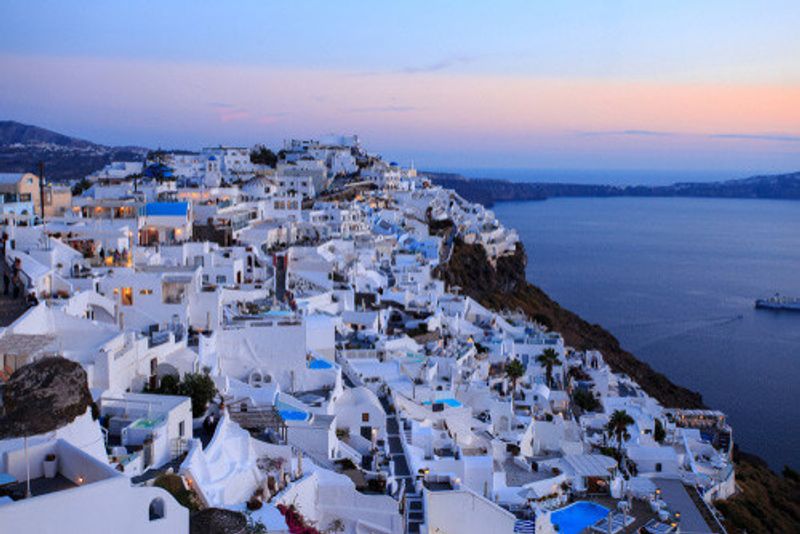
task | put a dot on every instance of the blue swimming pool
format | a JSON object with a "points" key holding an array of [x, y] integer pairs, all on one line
{"points": [[578, 516], [449, 402], [319, 364], [293, 415]]}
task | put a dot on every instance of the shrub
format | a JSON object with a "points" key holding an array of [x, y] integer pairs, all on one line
{"points": [[201, 389], [175, 487], [659, 433], [585, 400]]}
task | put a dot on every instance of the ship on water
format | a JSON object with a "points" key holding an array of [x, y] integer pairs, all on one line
{"points": [[779, 302]]}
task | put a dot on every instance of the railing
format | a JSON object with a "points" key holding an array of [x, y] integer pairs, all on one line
{"points": [[710, 511], [346, 451]]}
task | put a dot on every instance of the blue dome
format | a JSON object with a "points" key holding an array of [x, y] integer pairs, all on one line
{"points": [[212, 158]]}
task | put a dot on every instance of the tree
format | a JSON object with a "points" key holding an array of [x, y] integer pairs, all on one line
{"points": [[197, 386], [548, 359], [659, 433], [263, 156], [617, 426], [201, 389], [514, 371], [169, 385], [585, 400], [80, 187]]}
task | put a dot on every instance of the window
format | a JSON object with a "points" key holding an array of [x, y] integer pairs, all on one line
{"points": [[365, 417], [181, 428], [173, 292], [145, 291], [127, 296], [222, 279], [157, 509], [658, 468]]}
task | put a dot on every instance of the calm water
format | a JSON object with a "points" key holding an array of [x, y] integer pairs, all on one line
{"points": [[670, 278]]}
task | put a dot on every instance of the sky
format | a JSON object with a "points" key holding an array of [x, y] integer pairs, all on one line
{"points": [[673, 85]]}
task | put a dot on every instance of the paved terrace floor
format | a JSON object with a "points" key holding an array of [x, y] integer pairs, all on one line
{"points": [[415, 507], [678, 500], [40, 486]]}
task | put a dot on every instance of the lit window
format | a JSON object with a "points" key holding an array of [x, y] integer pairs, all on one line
{"points": [[365, 417], [127, 296]]}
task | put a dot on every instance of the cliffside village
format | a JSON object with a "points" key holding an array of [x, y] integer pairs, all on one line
{"points": [[268, 346]]}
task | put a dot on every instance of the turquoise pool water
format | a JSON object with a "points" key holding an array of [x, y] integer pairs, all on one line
{"points": [[577, 516], [319, 364], [449, 402]]}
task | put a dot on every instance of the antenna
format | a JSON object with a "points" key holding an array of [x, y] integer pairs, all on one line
{"points": [[41, 189]]}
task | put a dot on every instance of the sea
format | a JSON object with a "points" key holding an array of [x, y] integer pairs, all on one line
{"points": [[675, 280]]}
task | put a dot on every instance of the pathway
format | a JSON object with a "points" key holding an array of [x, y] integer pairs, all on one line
{"points": [[415, 506]]}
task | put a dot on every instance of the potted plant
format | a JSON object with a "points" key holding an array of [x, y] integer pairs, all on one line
{"points": [[50, 465]]}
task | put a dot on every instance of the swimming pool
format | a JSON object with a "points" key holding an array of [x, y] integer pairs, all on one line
{"points": [[293, 415], [450, 402], [319, 364], [577, 516]]}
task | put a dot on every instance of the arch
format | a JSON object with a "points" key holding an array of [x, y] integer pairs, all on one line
{"points": [[165, 369], [157, 510], [256, 378]]}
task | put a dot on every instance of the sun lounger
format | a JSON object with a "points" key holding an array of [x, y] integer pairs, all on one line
{"points": [[618, 522], [657, 527]]}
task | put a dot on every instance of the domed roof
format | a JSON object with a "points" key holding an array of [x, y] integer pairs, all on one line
{"points": [[212, 157], [542, 391], [360, 396]]}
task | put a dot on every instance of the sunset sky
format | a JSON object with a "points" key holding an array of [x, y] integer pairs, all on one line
{"points": [[670, 85]]}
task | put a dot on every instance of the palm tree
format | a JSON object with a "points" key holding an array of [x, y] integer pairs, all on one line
{"points": [[514, 371], [617, 426], [548, 359]]}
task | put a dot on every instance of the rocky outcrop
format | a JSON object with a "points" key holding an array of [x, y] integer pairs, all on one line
{"points": [[504, 287], [217, 521], [44, 396]]}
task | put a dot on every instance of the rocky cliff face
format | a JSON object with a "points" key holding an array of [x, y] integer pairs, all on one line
{"points": [[43, 396], [504, 287], [766, 502]]}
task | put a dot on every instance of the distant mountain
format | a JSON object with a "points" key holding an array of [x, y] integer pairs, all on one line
{"points": [[488, 191], [23, 146]]}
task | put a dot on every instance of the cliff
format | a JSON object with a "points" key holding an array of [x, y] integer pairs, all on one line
{"points": [[765, 502], [505, 287]]}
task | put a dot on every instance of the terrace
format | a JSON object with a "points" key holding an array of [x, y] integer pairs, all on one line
{"points": [[74, 468]]}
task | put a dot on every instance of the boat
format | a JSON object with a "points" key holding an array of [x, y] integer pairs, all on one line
{"points": [[779, 302]]}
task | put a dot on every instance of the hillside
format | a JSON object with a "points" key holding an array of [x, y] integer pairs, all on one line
{"points": [[487, 191], [23, 146], [765, 502]]}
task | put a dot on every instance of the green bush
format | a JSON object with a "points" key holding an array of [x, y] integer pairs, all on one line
{"points": [[197, 386], [585, 400]]}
